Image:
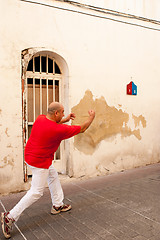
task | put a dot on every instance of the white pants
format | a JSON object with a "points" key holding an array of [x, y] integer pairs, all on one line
{"points": [[39, 178]]}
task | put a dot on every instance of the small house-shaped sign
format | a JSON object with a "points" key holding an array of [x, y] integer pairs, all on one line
{"points": [[131, 89]]}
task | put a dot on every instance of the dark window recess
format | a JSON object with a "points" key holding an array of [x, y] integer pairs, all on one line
{"points": [[30, 80], [30, 65], [43, 62], [37, 81], [29, 130], [50, 65], [50, 82], [37, 64], [43, 81], [56, 90], [57, 70], [57, 83]]}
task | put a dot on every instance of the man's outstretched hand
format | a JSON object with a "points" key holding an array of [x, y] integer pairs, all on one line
{"points": [[71, 116], [91, 113]]}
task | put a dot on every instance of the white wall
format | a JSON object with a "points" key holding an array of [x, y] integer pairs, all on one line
{"points": [[103, 56]]}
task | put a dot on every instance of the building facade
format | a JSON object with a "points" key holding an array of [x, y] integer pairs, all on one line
{"points": [[83, 54]]}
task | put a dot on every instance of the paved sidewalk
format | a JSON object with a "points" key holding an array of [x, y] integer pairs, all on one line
{"points": [[122, 206]]}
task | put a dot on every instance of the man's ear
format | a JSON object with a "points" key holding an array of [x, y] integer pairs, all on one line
{"points": [[56, 112]]}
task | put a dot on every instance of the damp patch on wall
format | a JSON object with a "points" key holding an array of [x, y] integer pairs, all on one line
{"points": [[7, 160], [138, 120], [109, 121]]}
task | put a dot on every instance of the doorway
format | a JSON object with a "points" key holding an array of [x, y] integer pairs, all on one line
{"points": [[42, 83]]}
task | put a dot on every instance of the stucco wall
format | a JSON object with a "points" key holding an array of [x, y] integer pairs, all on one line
{"points": [[103, 56]]}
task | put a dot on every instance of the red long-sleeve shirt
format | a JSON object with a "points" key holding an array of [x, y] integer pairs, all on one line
{"points": [[45, 139]]}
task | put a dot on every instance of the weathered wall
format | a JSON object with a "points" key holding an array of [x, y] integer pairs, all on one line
{"points": [[114, 142], [103, 56], [108, 123]]}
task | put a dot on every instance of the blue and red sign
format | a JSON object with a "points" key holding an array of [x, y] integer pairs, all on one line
{"points": [[131, 89]]}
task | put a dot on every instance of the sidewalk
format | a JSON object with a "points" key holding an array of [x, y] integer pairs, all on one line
{"points": [[122, 206]]}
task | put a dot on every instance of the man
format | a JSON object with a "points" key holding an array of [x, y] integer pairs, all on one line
{"points": [[47, 133]]}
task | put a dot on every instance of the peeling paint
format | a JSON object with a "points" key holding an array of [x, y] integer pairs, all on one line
{"points": [[109, 122], [9, 146], [7, 160], [6, 132], [139, 119], [128, 132], [120, 105]]}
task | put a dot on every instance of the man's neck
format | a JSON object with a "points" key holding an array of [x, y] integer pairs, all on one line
{"points": [[50, 117]]}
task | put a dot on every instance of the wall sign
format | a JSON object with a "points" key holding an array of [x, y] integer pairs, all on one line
{"points": [[131, 89]]}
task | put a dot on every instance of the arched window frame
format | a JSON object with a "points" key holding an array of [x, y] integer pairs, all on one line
{"points": [[38, 106]]}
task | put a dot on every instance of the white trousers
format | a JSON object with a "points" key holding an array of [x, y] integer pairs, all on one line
{"points": [[39, 178]]}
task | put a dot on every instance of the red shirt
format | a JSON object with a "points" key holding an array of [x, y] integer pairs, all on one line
{"points": [[45, 139]]}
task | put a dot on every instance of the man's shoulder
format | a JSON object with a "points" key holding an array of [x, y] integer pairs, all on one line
{"points": [[41, 116]]}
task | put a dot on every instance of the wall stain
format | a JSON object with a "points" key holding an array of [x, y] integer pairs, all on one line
{"points": [[7, 160], [108, 122], [139, 119], [6, 132], [9, 146]]}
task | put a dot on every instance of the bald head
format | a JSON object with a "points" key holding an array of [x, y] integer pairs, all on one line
{"points": [[54, 106]]}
